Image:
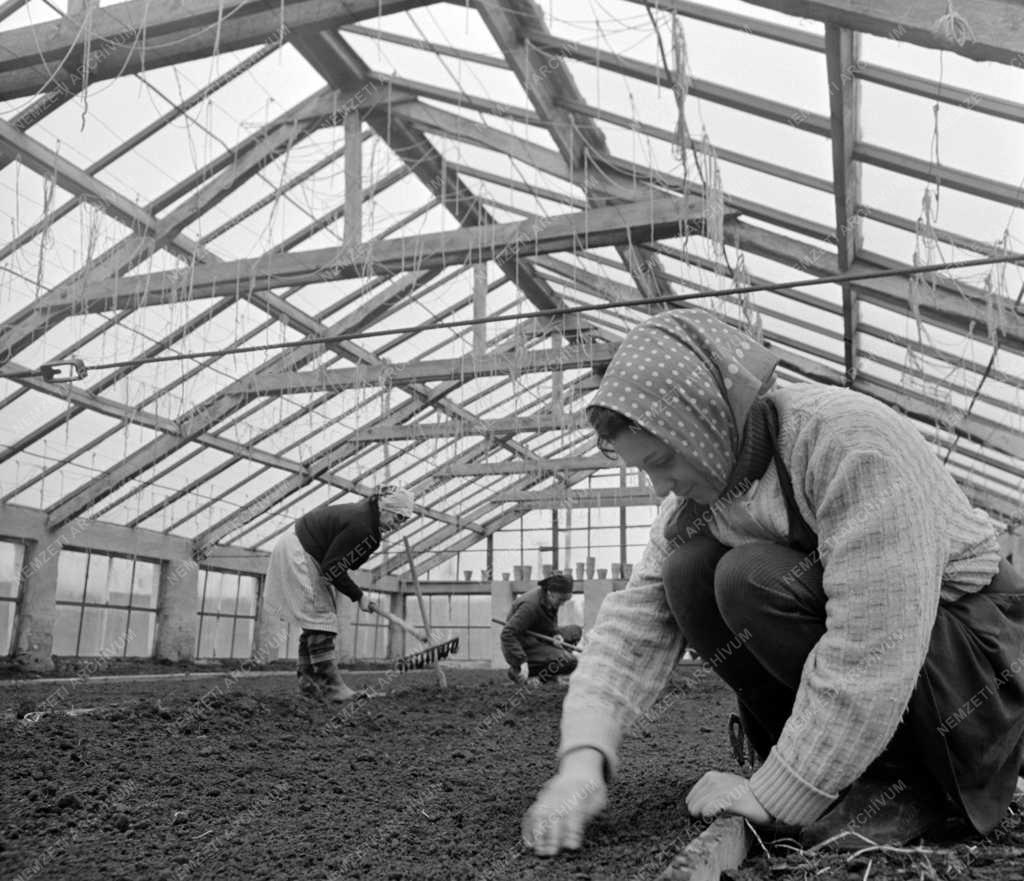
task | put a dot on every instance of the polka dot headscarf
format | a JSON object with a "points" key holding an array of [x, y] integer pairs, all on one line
{"points": [[689, 379]]}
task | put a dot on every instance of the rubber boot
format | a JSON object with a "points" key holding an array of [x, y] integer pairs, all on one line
{"points": [[333, 689], [879, 812], [308, 686]]}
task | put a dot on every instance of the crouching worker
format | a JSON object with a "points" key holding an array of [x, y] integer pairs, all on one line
{"points": [[537, 611], [814, 551], [311, 562]]}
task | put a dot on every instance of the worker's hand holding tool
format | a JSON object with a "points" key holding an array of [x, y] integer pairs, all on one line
{"points": [[520, 674], [566, 803], [367, 605], [720, 793]]}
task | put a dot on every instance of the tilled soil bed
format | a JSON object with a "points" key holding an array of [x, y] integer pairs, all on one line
{"points": [[239, 778]]}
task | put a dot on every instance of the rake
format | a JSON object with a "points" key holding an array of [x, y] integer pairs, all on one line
{"points": [[426, 657]]}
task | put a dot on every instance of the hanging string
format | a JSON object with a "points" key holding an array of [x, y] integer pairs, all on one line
{"points": [[714, 199], [680, 86], [953, 27], [86, 56]]}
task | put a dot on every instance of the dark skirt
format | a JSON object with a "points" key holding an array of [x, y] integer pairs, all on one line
{"points": [[966, 715]]}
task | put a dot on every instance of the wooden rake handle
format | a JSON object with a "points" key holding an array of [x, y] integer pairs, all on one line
{"points": [[543, 638], [405, 625]]}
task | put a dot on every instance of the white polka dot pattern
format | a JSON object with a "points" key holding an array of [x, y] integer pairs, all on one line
{"points": [[689, 379]]}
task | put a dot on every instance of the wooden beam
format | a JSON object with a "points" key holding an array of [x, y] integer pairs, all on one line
{"points": [[844, 101], [28, 524], [997, 27], [127, 38], [776, 111], [493, 428], [353, 233], [642, 221], [34, 320], [549, 84], [447, 369], [611, 497], [339, 65], [546, 467], [723, 846]]}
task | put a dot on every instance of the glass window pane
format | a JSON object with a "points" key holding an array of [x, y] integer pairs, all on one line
{"points": [[243, 638], [93, 623], [65, 629], [247, 595], [116, 626], [479, 646], [364, 643], [71, 575], [6, 626], [141, 627], [222, 647], [11, 561], [480, 611], [207, 636], [229, 593], [119, 581], [147, 582], [96, 580], [211, 600]]}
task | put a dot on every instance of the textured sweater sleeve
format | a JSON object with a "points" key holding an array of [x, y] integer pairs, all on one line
{"points": [[869, 485], [631, 652]]}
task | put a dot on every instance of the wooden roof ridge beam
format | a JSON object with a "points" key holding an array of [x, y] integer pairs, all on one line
{"points": [[639, 221], [465, 368], [138, 35]]}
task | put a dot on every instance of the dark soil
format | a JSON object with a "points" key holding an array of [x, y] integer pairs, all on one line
{"points": [[232, 778]]}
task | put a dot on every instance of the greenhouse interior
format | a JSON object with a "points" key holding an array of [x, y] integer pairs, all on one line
{"points": [[260, 258]]}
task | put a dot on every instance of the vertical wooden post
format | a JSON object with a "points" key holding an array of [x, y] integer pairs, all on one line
{"points": [[556, 377], [353, 233], [479, 309]]}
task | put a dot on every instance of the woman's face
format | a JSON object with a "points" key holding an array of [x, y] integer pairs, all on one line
{"points": [[668, 470]]}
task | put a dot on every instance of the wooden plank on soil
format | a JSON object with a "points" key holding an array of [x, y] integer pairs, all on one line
{"points": [[720, 847]]}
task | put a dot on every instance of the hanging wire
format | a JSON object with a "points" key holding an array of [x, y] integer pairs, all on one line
{"points": [[850, 277]]}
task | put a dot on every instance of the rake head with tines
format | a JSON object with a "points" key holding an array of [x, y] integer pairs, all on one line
{"points": [[428, 656]]}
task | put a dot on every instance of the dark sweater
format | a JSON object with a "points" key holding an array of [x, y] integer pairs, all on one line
{"points": [[339, 538], [528, 613]]}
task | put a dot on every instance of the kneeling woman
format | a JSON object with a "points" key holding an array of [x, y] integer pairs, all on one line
{"points": [[814, 549]]}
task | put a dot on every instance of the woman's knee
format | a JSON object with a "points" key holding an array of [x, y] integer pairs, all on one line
{"points": [[688, 575], [737, 582]]}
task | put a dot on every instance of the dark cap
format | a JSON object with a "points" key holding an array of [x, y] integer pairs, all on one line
{"points": [[557, 583]]}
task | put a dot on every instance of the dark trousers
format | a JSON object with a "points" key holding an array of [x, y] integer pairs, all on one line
{"points": [[755, 612], [547, 661]]}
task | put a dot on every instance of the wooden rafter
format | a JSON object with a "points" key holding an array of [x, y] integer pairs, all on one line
{"points": [[641, 222], [997, 27], [140, 35], [234, 169], [549, 85], [466, 369], [787, 114]]}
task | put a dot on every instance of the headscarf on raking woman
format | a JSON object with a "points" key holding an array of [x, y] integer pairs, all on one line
{"points": [[690, 379]]}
